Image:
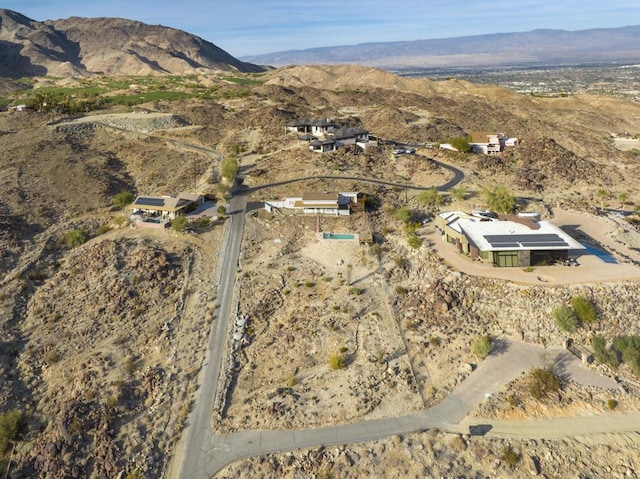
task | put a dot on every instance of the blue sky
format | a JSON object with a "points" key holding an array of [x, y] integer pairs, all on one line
{"points": [[247, 27]]}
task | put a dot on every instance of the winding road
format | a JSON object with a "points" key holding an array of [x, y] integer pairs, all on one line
{"points": [[201, 452]]}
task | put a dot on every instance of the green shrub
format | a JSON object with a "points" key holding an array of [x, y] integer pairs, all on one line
{"points": [[12, 425], [122, 199], [403, 214], [222, 211], [584, 309], [414, 241], [509, 456], [565, 318], [355, 291], [179, 224], [75, 237], [481, 347], [103, 229], [603, 355], [542, 382], [612, 404], [336, 361], [629, 348]]}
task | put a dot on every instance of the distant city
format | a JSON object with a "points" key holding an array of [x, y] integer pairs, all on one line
{"points": [[618, 80]]}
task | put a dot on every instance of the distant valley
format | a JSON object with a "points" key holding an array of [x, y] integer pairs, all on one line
{"points": [[538, 47]]}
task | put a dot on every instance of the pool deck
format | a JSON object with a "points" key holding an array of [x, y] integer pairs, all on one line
{"points": [[590, 269]]}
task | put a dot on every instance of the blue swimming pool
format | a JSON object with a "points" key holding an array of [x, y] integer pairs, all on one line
{"points": [[333, 236], [603, 255]]}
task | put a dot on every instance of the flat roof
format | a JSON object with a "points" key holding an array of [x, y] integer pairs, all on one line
{"points": [[509, 236]]}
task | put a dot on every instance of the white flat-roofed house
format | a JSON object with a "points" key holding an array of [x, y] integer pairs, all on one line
{"points": [[487, 143], [509, 240], [326, 203]]}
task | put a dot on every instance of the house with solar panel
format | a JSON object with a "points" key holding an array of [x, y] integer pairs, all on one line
{"points": [[158, 210], [506, 240]]}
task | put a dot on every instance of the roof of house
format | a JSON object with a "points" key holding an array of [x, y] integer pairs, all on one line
{"points": [[162, 203], [481, 136], [347, 132], [510, 236], [323, 196]]}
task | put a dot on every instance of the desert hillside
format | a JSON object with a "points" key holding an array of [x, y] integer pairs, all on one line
{"points": [[105, 46], [101, 339]]}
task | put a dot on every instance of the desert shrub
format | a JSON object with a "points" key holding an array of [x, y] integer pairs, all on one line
{"points": [[103, 229], [603, 355], [355, 291], [498, 198], [291, 380], [221, 210], [509, 456], [401, 262], [75, 237], [203, 222], [629, 348], [336, 361], [403, 214], [52, 357], [565, 319], [122, 199], [119, 220], [542, 382], [461, 143], [434, 341], [179, 224], [584, 309], [414, 241], [481, 347], [12, 425], [229, 167], [612, 404], [430, 198], [401, 290]]}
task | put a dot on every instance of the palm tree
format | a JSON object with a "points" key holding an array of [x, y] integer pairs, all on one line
{"points": [[603, 195]]}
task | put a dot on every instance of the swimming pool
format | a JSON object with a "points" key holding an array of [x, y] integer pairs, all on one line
{"points": [[603, 255], [332, 236]]}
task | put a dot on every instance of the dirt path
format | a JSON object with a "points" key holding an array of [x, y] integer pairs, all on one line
{"points": [[557, 428]]}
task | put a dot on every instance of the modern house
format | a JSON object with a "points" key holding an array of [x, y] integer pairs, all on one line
{"points": [[325, 203], [487, 143], [165, 207], [508, 240], [325, 135]]}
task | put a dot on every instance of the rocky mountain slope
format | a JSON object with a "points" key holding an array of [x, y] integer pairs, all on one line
{"points": [[105, 46], [538, 46]]}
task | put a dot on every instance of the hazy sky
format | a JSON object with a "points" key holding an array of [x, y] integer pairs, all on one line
{"points": [[247, 27]]}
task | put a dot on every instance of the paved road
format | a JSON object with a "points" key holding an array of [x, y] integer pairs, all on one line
{"points": [[458, 176], [509, 360], [198, 433]]}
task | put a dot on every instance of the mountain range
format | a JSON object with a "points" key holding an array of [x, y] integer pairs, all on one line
{"points": [[115, 46], [104, 46], [534, 47]]}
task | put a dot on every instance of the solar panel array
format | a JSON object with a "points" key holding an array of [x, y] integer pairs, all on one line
{"points": [[146, 201], [546, 240]]}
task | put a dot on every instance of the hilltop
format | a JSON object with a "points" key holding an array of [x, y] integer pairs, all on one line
{"points": [[104, 46]]}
